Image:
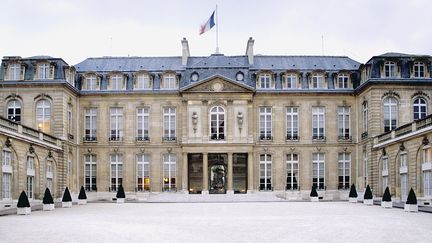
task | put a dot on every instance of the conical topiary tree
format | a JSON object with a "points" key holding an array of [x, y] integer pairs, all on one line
{"points": [[23, 201], [313, 192], [353, 191], [82, 195], [67, 199], [47, 199], [412, 199], [386, 196], [368, 193], [120, 192]]}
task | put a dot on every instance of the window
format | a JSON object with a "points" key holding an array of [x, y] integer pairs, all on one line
{"points": [[419, 70], [116, 171], [91, 83], [116, 124], [389, 69], [169, 124], [143, 124], [420, 108], [317, 81], [43, 71], [43, 115], [265, 172], [143, 172], [427, 172], [344, 123], [318, 123], [69, 166], [292, 123], [30, 176], [365, 116], [143, 82], [30, 163], [90, 124], [49, 176], [343, 81], [7, 158], [169, 81], [365, 167], [14, 72], [265, 123], [90, 172], [390, 114], [7, 174], [318, 170], [30, 186], [291, 81], [169, 172], [403, 175], [117, 82], [217, 123], [265, 81], [384, 173], [344, 170], [14, 110], [292, 172], [69, 119]]}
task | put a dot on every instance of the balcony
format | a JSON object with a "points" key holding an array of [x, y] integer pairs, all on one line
{"points": [[115, 138], [265, 137], [344, 138], [215, 137], [142, 139], [292, 137], [364, 135], [169, 139], [89, 139], [318, 138]]}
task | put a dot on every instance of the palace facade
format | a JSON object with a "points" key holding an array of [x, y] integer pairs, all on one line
{"points": [[217, 124]]}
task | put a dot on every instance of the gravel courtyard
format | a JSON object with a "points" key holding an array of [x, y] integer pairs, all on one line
{"points": [[218, 222]]}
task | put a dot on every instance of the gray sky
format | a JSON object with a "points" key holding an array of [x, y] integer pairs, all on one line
{"points": [[77, 29]]}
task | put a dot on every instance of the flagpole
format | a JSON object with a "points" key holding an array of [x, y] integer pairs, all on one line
{"points": [[217, 31]]}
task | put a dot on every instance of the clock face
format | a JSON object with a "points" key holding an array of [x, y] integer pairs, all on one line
{"points": [[239, 76], [194, 77]]}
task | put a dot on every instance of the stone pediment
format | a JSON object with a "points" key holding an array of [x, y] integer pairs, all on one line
{"points": [[217, 83]]}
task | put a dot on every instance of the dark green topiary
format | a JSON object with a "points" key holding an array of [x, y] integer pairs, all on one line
{"points": [[23, 201], [82, 195], [66, 196], [120, 192], [386, 197], [47, 199], [313, 192], [368, 193], [412, 199], [353, 191]]}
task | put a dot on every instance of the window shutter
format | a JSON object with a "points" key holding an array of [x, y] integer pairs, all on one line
{"points": [[22, 72], [51, 76]]}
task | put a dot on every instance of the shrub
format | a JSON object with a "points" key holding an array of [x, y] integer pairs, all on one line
{"points": [[23, 201], [386, 197], [412, 199], [47, 199], [368, 193], [353, 191], [82, 195], [120, 192], [313, 192], [66, 196]]}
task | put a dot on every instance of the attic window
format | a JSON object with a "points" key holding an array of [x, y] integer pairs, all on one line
{"points": [[389, 69], [239, 76], [194, 76]]}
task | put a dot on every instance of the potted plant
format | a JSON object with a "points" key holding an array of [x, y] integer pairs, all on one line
{"points": [[353, 194], [314, 195], [48, 202], [82, 197], [411, 203], [23, 205], [67, 199], [120, 194], [368, 198], [386, 201]]}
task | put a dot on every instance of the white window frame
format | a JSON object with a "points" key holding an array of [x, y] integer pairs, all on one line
{"points": [[419, 104], [389, 69], [143, 123], [292, 163], [318, 123], [90, 124], [169, 124], [419, 70], [317, 81], [344, 121], [169, 172], [90, 172], [265, 168], [343, 81], [427, 172], [43, 71], [143, 82], [117, 82], [365, 116], [403, 162], [318, 166], [385, 167], [344, 170], [291, 81], [365, 167], [7, 157], [116, 124], [14, 71], [292, 123], [43, 115], [13, 105], [265, 123], [217, 121], [265, 81], [91, 83], [390, 112], [69, 118], [116, 171], [169, 81], [7, 186], [143, 172], [30, 186]]}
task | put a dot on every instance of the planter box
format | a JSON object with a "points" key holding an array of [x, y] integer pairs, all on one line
{"points": [[120, 200], [368, 202], [48, 207], [314, 199], [24, 211], [411, 207], [82, 201], [386, 204], [66, 204], [352, 200]]}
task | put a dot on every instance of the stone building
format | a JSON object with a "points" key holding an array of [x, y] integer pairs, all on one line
{"points": [[247, 124]]}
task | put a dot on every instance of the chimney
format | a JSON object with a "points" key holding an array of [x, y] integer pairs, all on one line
{"points": [[185, 51], [249, 51]]}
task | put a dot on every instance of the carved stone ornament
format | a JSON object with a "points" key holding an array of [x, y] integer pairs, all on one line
{"points": [[402, 147], [8, 142], [384, 153], [50, 154], [31, 149], [425, 141]]}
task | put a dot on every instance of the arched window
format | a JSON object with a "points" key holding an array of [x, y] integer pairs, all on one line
{"points": [[389, 69], [14, 110], [390, 114], [419, 108], [217, 123], [43, 115]]}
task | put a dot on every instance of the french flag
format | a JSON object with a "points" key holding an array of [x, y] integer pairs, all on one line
{"points": [[208, 25]]}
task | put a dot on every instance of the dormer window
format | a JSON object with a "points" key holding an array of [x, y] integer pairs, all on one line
{"points": [[194, 77], [239, 76], [70, 76], [143, 82], [43, 71], [318, 81], [169, 81], [419, 70], [117, 82], [91, 82], [389, 69], [343, 81], [14, 72], [265, 81], [290, 81]]}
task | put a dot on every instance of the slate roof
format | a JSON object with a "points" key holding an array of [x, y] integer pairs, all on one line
{"points": [[305, 63]]}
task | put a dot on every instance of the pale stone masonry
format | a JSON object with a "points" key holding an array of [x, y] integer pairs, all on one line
{"points": [[217, 124]]}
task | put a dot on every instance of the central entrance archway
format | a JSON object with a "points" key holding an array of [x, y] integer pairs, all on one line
{"points": [[217, 173]]}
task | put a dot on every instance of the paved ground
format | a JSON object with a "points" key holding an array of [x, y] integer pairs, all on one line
{"points": [[218, 222]]}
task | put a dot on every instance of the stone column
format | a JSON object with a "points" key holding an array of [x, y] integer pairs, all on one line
{"points": [[250, 177], [205, 174], [230, 174], [230, 122], [185, 173]]}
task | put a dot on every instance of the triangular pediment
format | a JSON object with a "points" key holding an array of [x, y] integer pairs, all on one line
{"points": [[217, 83]]}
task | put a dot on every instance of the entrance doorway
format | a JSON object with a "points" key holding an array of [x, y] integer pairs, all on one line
{"points": [[217, 173]]}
